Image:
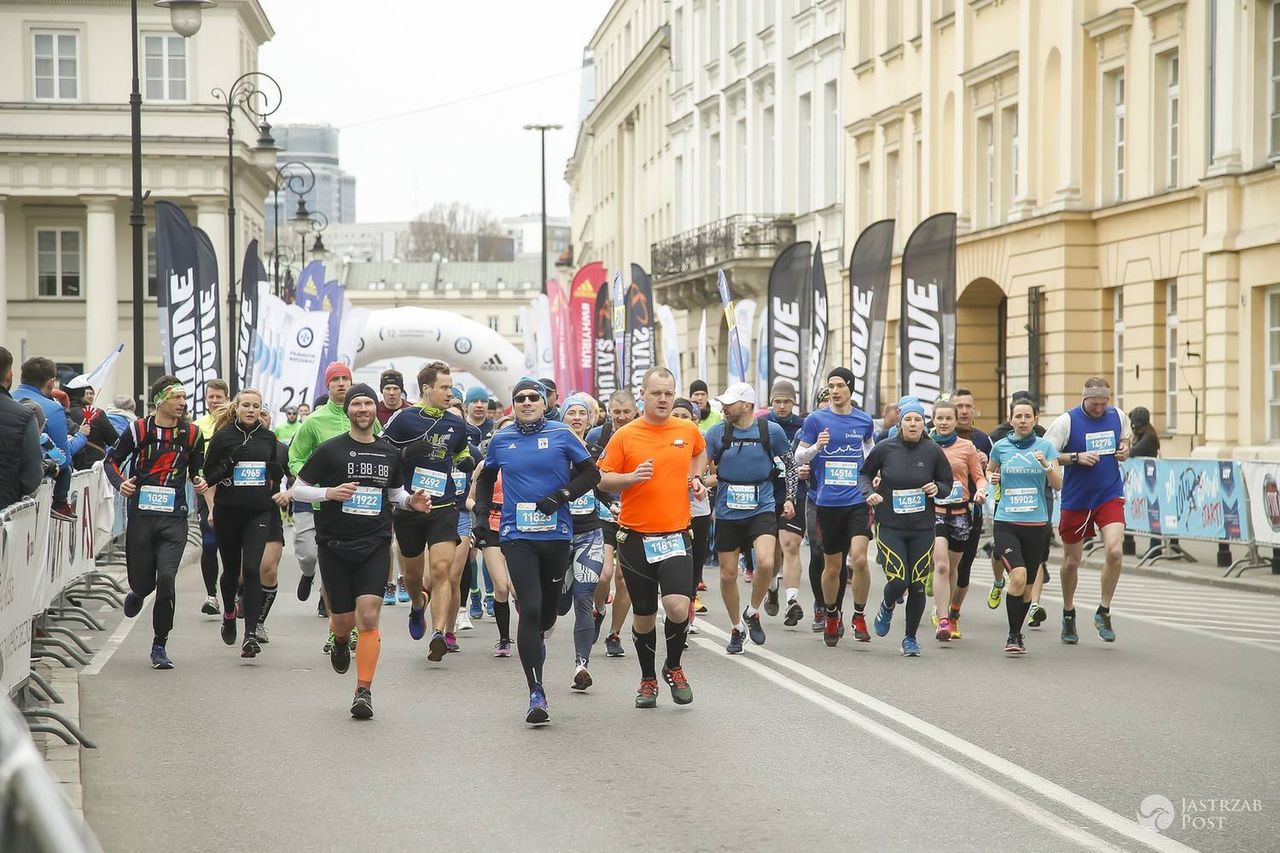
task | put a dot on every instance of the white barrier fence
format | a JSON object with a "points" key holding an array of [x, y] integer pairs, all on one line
{"points": [[41, 556]]}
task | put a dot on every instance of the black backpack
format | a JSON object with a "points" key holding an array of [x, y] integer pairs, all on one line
{"points": [[762, 424]]}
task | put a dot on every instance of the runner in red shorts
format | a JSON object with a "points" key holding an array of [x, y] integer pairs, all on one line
{"points": [[1093, 439]]}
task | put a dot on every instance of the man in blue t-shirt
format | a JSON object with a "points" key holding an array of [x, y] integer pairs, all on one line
{"points": [[1093, 439], [834, 440], [742, 450]]}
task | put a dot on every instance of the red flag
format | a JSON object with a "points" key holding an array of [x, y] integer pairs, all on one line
{"points": [[582, 325]]}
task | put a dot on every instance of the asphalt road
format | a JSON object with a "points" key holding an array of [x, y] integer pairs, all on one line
{"points": [[790, 746]]}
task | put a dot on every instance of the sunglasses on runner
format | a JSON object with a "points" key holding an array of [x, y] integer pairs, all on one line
{"points": [[526, 398]]}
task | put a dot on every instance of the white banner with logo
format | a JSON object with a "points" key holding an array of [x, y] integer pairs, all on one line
{"points": [[1262, 485], [21, 551]]}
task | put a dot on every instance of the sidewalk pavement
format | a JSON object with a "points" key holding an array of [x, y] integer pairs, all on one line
{"points": [[1205, 570]]}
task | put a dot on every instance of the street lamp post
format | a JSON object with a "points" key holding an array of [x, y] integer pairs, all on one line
{"points": [[307, 222], [258, 105], [298, 178], [185, 18], [542, 133]]}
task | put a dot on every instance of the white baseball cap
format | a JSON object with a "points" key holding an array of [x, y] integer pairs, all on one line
{"points": [[738, 392]]}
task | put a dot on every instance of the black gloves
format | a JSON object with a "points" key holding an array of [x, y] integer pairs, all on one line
{"points": [[551, 504]]}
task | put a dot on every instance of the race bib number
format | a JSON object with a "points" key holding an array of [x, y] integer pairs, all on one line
{"points": [[659, 548], [157, 499], [366, 501], [459, 482], [908, 500], [429, 481], [956, 496], [1103, 443], [249, 474], [740, 497], [1020, 500], [841, 474], [584, 505], [529, 520]]}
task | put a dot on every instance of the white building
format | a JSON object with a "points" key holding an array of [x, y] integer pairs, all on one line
{"points": [[756, 149], [65, 256], [526, 232]]}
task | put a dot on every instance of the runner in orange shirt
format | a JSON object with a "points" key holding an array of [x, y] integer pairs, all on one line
{"points": [[653, 462]]}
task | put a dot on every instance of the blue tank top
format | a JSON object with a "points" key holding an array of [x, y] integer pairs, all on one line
{"points": [[1085, 487]]}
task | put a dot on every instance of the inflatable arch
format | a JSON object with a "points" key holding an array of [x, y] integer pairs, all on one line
{"points": [[450, 337]]}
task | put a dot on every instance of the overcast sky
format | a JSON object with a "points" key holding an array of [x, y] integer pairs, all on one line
{"points": [[356, 64]]}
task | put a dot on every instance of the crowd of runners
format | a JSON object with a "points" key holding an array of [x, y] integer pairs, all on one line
{"points": [[459, 507]]}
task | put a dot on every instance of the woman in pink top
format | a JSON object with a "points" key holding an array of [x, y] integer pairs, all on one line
{"points": [[954, 516]]}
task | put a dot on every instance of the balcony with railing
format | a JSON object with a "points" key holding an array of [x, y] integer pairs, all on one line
{"points": [[743, 236]]}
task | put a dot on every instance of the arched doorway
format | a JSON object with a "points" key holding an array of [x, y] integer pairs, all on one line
{"points": [[981, 331]]}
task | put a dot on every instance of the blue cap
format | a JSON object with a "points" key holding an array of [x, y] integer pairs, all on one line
{"points": [[528, 383], [457, 393], [578, 399], [477, 394], [909, 404]]}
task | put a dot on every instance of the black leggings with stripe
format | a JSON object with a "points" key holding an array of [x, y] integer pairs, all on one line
{"points": [[908, 560]]}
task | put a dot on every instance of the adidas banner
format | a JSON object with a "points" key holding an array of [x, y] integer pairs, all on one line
{"points": [[928, 313], [868, 307]]}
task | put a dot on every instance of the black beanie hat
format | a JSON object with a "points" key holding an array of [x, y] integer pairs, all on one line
{"points": [[529, 384], [360, 389], [697, 385], [843, 373]]}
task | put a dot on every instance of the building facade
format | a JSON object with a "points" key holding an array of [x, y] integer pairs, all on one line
{"points": [[1113, 169], [333, 193], [525, 232], [65, 238]]}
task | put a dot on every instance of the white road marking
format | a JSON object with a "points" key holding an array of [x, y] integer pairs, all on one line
{"points": [[116, 639], [1172, 624], [1016, 773]]}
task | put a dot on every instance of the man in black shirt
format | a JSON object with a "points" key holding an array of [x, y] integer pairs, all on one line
{"points": [[162, 452], [356, 478]]}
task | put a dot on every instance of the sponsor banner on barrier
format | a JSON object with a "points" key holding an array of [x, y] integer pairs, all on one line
{"points": [[1187, 498], [20, 548], [1262, 484]]}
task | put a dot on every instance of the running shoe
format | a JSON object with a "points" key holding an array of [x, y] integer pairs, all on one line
{"points": [[1102, 621], [819, 621], [910, 648], [354, 639], [417, 622], [681, 692], [63, 512], [261, 633], [160, 658], [464, 620], [754, 629], [1069, 635], [597, 616], [943, 634], [328, 644], [647, 695], [692, 629], [993, 597], [304, 587], [229, 629], [340, 658], [537, 714], [322, 609], [362, 704], [794, 614], [883, 620], [702, 586], [389, 596], [451, 642], [402, 594], [132, 604], [250, 648], [955, 628], [439, 647], [831, 629], [581, 677], [502, 649], [860, 632], [613, 647], [477, 606], [698, 606], [771, 601], [1037, 617], [1014, 645], [734, 646], [488, 610], [210, 606], [749, 575]]}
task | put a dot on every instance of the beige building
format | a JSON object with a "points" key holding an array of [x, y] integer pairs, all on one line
{"points": [[1112, 165], [65, 239]]}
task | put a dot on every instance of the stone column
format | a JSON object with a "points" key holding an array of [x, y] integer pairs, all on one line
{"points": [[1024, 194], [4, 288], [1230, 85], [101, 297], [1067, 195]]}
